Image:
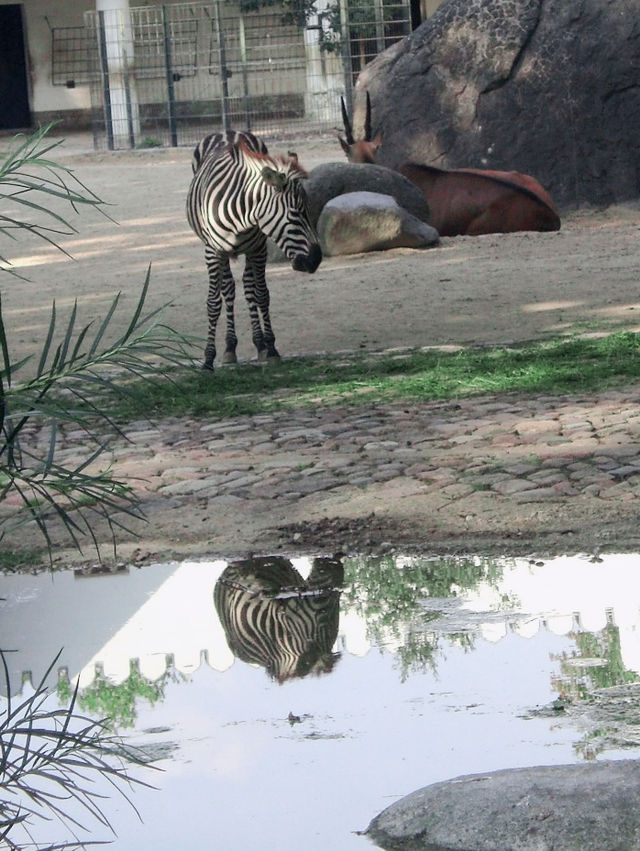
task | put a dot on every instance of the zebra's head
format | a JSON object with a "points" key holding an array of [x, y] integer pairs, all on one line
{"points": [[282, 211]]}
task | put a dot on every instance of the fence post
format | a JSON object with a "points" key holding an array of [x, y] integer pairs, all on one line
{"points": [[379, 15], [245, 75], [106, 94], [346, 55], [224, 74], [171, 95]]}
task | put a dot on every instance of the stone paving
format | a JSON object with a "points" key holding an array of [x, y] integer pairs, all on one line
{"points": [[529, 449], [512, 450]]}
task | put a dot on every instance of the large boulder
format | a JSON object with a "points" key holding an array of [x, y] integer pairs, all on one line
{"points": [[545, 87], [367, 221], [585, 807], [331, 179]]}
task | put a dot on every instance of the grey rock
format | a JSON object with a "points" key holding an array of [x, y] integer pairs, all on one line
{"points": [[586, 807], [368, 221], [626, 471], [544, 87], [329, 180]]}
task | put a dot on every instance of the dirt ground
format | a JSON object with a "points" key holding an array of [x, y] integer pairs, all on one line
{"points": [[491, 289]]}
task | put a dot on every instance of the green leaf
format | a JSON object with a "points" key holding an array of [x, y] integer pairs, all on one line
{"points": [[4, 348], [47, 341], [52, 492]]}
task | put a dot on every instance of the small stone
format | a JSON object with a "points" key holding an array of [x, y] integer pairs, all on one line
{"points": [[538, 495], [625, 472], [513, 486]]}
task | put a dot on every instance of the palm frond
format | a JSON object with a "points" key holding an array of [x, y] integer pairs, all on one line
{"points": [[83, 374], [51, 760], [76, 369], [29, 184]]}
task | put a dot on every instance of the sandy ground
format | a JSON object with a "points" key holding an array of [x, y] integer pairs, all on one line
{"points": [[491, 289]]}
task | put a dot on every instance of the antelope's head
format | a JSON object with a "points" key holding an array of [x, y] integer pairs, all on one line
{"points": [[364, 150]]}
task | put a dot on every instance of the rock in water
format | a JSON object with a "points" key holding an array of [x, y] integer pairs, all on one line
{"points": [[586, 807]]}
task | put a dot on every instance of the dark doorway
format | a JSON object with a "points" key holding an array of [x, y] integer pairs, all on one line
{"points": [[14, 90], [416, 13]]}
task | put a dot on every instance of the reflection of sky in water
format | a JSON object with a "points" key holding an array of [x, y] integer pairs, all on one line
{"points": [[243, 777]]}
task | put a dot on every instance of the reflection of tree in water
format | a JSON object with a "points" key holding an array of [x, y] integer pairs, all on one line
{"points": [[586, 689], [273, 618], [578, 681], [117, 703], [387, 593], [418, 650]]}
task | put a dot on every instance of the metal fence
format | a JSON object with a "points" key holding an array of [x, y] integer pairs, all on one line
{"points": [[168, 74]]}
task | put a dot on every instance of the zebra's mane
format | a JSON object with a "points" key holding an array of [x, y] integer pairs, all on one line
{"points": [[289, 164]]}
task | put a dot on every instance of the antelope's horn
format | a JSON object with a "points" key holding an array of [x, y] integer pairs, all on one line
{"points": [[347, 124], [367, 121]]}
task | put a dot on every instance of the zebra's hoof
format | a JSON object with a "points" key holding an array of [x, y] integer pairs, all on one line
{"points": [[229, 357], [208, 367]]}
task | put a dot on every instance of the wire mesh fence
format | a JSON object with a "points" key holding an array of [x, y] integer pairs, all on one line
{"points": [[69, 56], [166, 75]]}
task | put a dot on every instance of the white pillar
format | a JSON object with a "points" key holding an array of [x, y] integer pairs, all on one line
{"points": [[325, 82], [117, 45]]}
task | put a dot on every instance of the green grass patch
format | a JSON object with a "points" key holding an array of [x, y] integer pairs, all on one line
{"points": [[149, 142], [11, 560], [556, 367]]}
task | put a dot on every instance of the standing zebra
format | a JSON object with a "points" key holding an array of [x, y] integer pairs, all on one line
{"points": [[215, 142], [273, 618], [238, 197]]}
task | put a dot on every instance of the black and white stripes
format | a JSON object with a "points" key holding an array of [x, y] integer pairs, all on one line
{"points": [[238, 197], [273, 618], [217, 141]]}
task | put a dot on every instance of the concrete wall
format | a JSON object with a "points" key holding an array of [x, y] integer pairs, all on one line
{"points": [[428, 7], [50, 97], [39, 17], [283, 67]]}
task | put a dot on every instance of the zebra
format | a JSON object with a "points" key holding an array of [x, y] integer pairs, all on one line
{"points": [[273, 618], [216, 141], [239, 196]]}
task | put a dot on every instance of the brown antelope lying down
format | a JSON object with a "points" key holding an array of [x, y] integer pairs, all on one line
{"points": [[466, 200]]}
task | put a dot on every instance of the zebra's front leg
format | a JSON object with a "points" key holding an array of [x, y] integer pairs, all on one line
{"points": [[214, 304], [229, 295], [257, 295]]}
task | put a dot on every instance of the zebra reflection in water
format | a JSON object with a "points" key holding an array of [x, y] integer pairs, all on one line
{"points": [[274, 618]]}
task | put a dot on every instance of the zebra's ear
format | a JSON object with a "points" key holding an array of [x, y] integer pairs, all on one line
{"points": [[274, 178]]}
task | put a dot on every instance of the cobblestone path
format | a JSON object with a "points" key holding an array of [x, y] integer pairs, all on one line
{"points": [[512, 465]]}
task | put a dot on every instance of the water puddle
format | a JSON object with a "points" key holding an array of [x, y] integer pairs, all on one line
{"points": [[288, 702]]}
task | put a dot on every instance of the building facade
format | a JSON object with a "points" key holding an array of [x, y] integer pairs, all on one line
{"points": [[151, 70]]}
